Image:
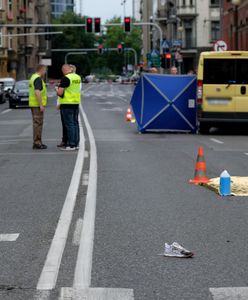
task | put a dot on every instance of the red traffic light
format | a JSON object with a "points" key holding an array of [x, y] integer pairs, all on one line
{"points": [[89, 25], [97, 25], [168, 56], [127, 24], [119, 48]]}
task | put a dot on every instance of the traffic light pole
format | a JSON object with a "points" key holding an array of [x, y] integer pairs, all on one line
{"points": [[78, 51]]}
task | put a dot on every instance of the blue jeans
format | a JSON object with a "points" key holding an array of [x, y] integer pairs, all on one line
{"points": [[70, 117]]}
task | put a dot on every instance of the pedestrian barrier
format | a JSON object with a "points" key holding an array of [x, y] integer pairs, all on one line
{"points": [[200, 169], [165, 103]]}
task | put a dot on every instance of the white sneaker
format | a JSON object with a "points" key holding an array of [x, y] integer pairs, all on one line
{"points": [[176, 250], [68, 148]]}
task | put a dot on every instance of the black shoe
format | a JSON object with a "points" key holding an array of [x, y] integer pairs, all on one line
{"points": [[39, 147]]}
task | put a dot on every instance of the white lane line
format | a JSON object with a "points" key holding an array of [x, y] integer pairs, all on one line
{"points": [[96, 293], [229, 293], [82, 275], [27, 131], [85, 180], [112, 109], [9, 237], [49, 274], [77, 232], [217, 141], [6, 111], [86, 154], [104, 103]]}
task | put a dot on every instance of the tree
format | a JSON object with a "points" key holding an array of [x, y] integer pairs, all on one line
{"points": [[72, 37]]}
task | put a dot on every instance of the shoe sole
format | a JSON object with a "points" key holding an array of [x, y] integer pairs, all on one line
{"points": [[179, 256]]}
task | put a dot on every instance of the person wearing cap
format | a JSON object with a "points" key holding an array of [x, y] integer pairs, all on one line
{"points": [[37, 103]]}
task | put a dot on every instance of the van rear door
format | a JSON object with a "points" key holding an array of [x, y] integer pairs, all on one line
{"points": [[241, 88], [218, 86]]}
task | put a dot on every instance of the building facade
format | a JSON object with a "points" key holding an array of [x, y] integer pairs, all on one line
{"points": [[60, 6], [235, 17], [78, 7], [20, 49]]}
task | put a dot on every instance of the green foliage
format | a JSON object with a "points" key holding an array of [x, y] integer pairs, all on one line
{"points": [[76, 38]]}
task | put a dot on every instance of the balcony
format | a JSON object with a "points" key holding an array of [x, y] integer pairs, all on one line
{"points": [[186, 11]]}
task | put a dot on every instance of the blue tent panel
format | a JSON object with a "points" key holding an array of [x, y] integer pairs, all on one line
{"points": [[166, 103]]}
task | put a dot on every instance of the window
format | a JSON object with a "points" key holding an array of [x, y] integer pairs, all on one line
{"points": [[215, 30], [1, 39], [225, 71], [10, 40], [1, 4], [184, 3], [214, 2], [191, 2], [10, 10]]}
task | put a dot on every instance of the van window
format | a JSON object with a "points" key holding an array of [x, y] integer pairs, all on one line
{"points": [[242, 71], [219, 71], [225, 71]]}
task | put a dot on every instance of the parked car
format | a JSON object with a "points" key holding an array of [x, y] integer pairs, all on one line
{"points": [[18, 96], [2, 98], [8, 84]]}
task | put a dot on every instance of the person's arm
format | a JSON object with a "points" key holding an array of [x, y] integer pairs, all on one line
{"points": [[65, 82], [38, 88]]}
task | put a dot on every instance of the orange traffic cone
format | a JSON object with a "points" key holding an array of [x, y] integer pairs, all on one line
{"points": [[200, 169], [129, 115]]}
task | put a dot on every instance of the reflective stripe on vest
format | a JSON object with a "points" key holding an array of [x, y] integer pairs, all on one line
{"points": [[72, 93], [33, 102]]}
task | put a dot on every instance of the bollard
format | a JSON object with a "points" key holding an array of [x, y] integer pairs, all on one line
{"points": [[225, 184]]}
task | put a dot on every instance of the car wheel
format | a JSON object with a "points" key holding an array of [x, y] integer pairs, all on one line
{"points": [[204, 128], [11, 105]]}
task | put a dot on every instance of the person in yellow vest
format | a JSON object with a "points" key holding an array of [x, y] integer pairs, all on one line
{"points": [[37, 103], [69, 99]]}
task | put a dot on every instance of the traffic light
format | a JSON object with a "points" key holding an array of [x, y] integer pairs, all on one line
{"points": [[127, 24], [168, 60], [89, 24], [100, 49], [97, 22], [141, 67], [163, 61], [120, 49]]}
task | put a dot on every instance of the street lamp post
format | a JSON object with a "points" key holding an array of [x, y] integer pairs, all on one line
{"points": [[235, 20]]}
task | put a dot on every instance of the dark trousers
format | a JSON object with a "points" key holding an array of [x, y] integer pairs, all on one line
{"points": [[70, 119], [38, 117], [64, 131]]}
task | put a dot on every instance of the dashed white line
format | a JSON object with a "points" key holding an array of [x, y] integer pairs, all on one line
{"points": [[9, 237], [229, 293], [85, 180], [82, 275], [217, 141], [6, 111], [77, 232], [49, 274], [86, 154]]}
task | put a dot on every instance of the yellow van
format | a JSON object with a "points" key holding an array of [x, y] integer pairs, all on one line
{"points": [[222, 88]]}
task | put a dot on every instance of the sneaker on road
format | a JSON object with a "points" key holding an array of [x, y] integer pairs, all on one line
{"points": [[176, 250], [67, 148]]}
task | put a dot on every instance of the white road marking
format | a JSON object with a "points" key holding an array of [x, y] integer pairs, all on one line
{"points": [[229, 293], [6, 111], [49, 274], [86, 154], [82, 275], [9, 237], [85, 180], [104, 103], [77, 232], [27, 131], [96, 293], [112, 109], [217, 141], [246, 153]]}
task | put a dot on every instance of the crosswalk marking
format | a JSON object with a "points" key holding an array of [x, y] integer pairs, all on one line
{"points": [[229, 293], [9, 237]]}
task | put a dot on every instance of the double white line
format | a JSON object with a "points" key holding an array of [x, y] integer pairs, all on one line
{"points": [[82, 277]]}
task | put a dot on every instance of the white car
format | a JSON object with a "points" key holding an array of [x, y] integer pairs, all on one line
{"points": [[8, 84]]}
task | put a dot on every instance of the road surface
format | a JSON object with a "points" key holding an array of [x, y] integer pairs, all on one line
{"points": [[55, 244]]}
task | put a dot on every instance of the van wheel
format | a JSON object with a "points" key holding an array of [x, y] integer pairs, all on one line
{"points": [[204, 128]]}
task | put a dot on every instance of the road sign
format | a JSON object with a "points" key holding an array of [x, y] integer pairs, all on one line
{"points": [[220, 46]]}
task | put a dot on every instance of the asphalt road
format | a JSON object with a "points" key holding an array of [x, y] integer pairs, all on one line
{"points": [[143, 200]]}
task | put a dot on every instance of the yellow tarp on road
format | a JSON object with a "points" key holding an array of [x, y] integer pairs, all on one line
{"points": [[239, 185]]}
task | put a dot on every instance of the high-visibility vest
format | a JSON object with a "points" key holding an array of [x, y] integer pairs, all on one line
{"points": [[72, 93], [33, 102]]}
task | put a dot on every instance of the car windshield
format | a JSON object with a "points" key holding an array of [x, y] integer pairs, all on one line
{"points": [[21, 86], [225, 71]]}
